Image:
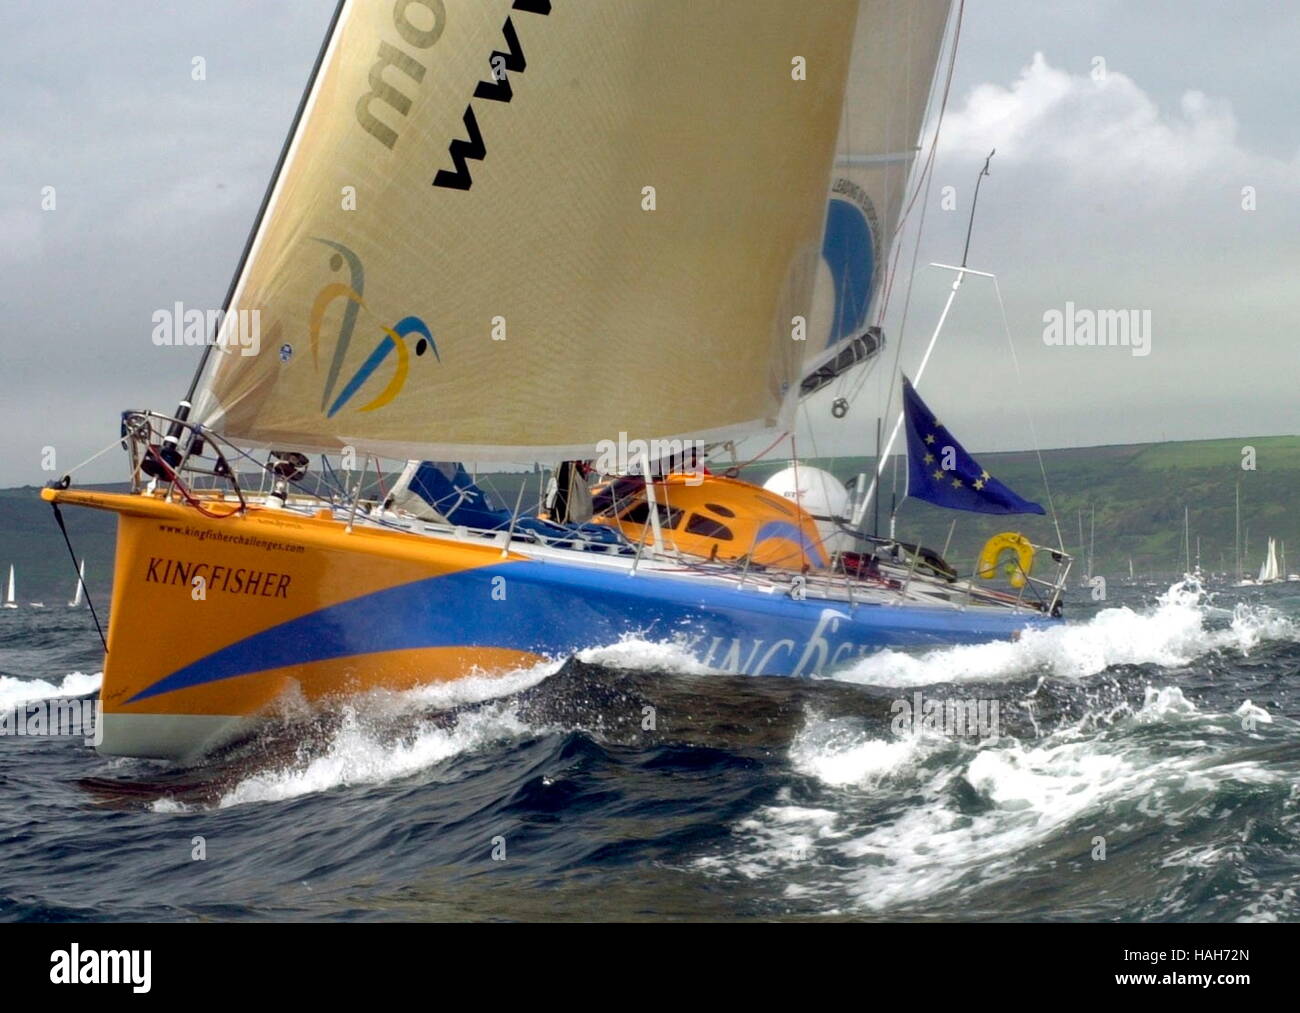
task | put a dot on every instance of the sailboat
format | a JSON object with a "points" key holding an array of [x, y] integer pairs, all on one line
{"points": [[79, 595], [549, 261], [1191, 571], [1241, 579], [1086, 580], [9, 601], [1269, 572]]}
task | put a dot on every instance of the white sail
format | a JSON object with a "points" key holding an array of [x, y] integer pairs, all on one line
{"points": [[81, 583], [493, 212], [9, 601], [896, 53], [1268, 570]]}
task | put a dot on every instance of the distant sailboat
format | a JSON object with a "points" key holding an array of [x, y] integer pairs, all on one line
{"points": [[1242, 579], [9, 602], [1268, 570], [1087, 566], [1087, 557], [81, 584], [1191, 572], [1289, 576], [1092, 538]]}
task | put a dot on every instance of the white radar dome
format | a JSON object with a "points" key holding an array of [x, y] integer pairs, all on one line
{"points": [[819, 493]]}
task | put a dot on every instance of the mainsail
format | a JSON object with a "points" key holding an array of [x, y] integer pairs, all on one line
{"points": [[896, 52], [514, 231]]}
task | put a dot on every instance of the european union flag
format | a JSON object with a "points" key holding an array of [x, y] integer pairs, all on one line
{"points": [[941, 472]]}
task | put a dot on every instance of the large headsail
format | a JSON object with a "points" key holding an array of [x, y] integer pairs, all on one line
{"points": [[896, 53], [515, 230]]}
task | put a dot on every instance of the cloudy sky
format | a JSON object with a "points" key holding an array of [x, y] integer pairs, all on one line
{"points": [[1119, 193]]}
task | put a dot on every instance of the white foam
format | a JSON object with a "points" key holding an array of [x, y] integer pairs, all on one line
{"points": [[1030, 792], [14, 691], [1159, 705], [1252, 715], [840, 753], [468, 689], [1171, 634], [637, 654], [358, 754]]}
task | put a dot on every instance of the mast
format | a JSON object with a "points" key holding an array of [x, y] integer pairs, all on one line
{"points": [[925, 359], [1236, 542], [970, 226], [1187, 545], [875, 523], [1092, 538]]}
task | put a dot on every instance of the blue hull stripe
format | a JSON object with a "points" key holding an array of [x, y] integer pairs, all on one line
{"points": [[553, 609]]}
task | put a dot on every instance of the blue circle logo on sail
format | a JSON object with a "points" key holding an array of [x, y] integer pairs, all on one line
{"points": [[393, 341], [849, 250]]}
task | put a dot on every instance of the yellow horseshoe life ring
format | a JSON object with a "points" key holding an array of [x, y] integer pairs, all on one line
{"points": [[1007, 541]]}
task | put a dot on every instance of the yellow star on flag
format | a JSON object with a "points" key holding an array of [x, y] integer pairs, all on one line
{"points": [[938, 473], [979, 483], [928, 459], [929, 437], [956, 483]]}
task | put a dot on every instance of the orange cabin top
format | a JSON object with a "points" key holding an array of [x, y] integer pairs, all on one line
{"points": [[715, 518]]}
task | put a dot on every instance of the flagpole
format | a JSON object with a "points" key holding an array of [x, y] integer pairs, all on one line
{"points": [[861, 510], [875, 526]]}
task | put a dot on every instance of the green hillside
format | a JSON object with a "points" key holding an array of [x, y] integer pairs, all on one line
{"points": [[1138, 493]]}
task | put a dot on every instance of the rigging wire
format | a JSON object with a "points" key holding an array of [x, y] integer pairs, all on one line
{"points": [[1029, 416], [922, 184], [58, 516]]}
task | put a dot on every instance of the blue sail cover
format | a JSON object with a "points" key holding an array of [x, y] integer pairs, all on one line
{"points": [[450, 490]]}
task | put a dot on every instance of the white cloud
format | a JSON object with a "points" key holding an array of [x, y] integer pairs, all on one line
{"points": [[1104, 197], [1108, 132]]}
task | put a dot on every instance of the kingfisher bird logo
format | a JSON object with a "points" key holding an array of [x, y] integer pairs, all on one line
{"points": [[393, 340]]}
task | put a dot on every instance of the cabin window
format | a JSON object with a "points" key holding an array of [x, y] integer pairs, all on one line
{"points": [[721, 511], [669, 517], [708, 528]]}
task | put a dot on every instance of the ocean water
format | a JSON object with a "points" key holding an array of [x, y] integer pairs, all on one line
{"points": [[1143, 764]]}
